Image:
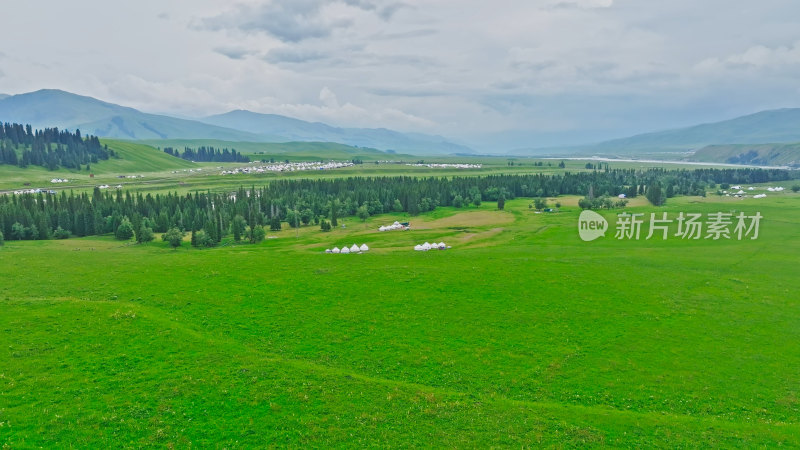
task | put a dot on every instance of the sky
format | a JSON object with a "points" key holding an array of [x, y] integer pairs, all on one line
{"points": [[495, 75]]}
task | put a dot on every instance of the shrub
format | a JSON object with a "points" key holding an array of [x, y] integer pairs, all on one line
{"points": [[61, 233], [173, 236], [124, 230]]}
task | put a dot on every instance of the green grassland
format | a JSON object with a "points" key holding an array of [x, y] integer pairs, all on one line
{"points": [[520, 335], [162, 173], [134, 158], [296, 151]]}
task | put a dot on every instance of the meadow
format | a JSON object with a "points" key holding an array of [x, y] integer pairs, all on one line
{"points": [[520, 335], [163, 173]]}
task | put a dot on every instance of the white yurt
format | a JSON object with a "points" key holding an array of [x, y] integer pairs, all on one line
{"points": [[354, 249], [441, 245], [345, 250], [364, 248], [426, 246], [327, 250], [418, 248], [335, 250], [396, 223], [382, 229]]}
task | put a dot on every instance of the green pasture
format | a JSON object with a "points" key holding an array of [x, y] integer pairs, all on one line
{"points": [[520, 335]]}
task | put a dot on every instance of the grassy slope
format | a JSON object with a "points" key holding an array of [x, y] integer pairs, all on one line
{"points": [[292, 150], [135, 158], [770, 154], [521, 335]]}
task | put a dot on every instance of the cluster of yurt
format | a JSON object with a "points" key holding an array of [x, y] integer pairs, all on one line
{"points": [[353, 249], [428, 246], [394, 226]]}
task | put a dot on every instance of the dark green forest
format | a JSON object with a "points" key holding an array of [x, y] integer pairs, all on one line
{"points": [[207, 154], [51, 148], [306, 201]]}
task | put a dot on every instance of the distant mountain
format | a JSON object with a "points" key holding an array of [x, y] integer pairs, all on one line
{"points": [[776, 126], [56, 108], [751, 154], [299, 130]]}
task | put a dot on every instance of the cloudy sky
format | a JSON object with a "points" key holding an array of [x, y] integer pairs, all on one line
{"points": [[494, 74]]}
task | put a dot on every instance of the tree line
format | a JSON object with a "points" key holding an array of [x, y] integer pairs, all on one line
{"points": [[51, 148], [207, 154], [211, 216]]}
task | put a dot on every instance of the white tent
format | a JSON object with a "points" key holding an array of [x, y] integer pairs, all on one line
{"points": [[335, 250], [327, 250], [364, 248], [426, 246], [382, 229], [396, 223], [354, 249], [418, 248], [345, 250], [441, 245]]}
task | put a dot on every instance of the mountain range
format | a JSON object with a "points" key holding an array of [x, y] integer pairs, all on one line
{"points": [[49, 108], [777, 126], [56, 108]]}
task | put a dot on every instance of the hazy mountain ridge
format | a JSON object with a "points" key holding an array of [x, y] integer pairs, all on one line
{"points": [[775, 126], [752, 154], [299, 130], [55, 108]]}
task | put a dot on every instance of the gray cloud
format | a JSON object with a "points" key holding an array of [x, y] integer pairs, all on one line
{"points": [[407, 92], [234, 52], [293, 21], [293, 55], [462, 68], [411, 34]]}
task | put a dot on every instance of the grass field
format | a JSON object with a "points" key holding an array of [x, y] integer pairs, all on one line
{"points": [[520, 335], [297, 151], [163, 173]]}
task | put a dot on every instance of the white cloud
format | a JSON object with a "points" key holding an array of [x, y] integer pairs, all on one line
{"points": [[757, 57]]}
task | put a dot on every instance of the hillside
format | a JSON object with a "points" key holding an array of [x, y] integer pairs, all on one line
{"points": [[753, 154], [137, 157], [134, 159], [778, 126], [50, 107]]}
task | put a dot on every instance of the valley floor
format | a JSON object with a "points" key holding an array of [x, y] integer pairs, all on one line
{"points": [[520, 335]]}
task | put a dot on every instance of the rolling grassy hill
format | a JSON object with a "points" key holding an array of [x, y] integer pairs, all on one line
{"points": [[519, 335], [138, 157], [134, 158], [756, 154]]}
